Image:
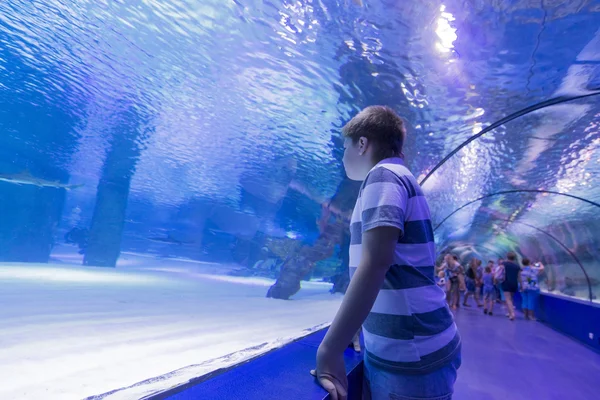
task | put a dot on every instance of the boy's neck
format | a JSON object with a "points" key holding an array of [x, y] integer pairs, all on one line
{"points": [[391, 160]]}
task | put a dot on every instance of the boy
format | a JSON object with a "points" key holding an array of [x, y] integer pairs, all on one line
{"points": [[412, 344]]}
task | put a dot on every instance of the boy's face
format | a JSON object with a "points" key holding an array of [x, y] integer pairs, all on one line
{"points": [[355, 159]]}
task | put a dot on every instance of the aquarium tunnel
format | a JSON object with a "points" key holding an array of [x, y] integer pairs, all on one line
{"points": [[174, 210]]}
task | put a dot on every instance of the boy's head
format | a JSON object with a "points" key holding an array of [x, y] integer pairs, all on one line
{"points": [[526, 262], [374, 134], [512, 256], [488, 269]]}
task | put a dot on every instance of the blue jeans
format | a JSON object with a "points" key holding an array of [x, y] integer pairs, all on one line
{"points": [[500, 291], [529, 299], [379, 384]]}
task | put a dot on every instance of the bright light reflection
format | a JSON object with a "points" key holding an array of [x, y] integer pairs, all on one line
{"points": [[72, 275], [291, 235], [445, 32]]}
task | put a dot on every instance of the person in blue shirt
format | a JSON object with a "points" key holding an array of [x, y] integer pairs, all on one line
{"points": [[530, 289]]}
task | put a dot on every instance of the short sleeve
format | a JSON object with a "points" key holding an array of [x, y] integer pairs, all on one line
{"points": [[383, 200]]}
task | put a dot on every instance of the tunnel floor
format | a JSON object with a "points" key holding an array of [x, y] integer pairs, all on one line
{"points": [[522, 360], [69, 332]]}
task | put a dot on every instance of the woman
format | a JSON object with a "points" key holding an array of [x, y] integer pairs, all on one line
{"points": [[512, 279], [472, 280], [453, 270], [530, 288]]}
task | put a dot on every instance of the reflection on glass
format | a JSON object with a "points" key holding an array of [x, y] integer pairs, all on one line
{"points": [[445, 32], [170, 172]]}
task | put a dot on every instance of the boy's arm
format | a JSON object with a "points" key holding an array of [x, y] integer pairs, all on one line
{"points": [[540, 269], [378, 247]]}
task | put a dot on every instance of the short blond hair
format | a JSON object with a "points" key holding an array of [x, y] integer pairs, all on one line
{"points": [[381, 125]]}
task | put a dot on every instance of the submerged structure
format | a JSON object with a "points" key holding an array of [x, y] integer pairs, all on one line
{"points": [[156, 157]]}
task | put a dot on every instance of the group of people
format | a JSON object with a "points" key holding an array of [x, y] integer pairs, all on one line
{"points": [[497, 282]]}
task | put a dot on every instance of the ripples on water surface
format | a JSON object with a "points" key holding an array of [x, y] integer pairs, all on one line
{"points": [[217, 98]]}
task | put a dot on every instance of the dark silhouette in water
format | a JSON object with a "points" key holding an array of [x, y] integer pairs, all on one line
{"points": [[104, 246], [78, 236], [362, 89], [37, 134], [333, 228], [341, 280]]}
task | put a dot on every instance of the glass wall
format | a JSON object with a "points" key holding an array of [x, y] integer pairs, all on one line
{"points": [[535, 196], [172, 196]]}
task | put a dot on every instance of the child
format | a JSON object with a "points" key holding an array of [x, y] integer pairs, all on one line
{"points": [[488, 291], [412, 345], [530, 289]]}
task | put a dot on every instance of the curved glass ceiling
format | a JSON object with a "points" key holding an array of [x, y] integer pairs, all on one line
{"points": [[207, 134]]}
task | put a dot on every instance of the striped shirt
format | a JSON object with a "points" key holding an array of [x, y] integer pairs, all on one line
{"points": [[410, 328]]}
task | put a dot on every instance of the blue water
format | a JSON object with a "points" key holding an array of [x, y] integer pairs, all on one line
{"points": [[210, 130]]}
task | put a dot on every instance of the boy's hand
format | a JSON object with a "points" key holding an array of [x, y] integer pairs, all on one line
{"points": [[331, 374], [378, 254], [356, 342]]}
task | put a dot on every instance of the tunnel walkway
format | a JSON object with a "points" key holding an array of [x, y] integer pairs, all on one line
{"points": [[522, 360]]}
